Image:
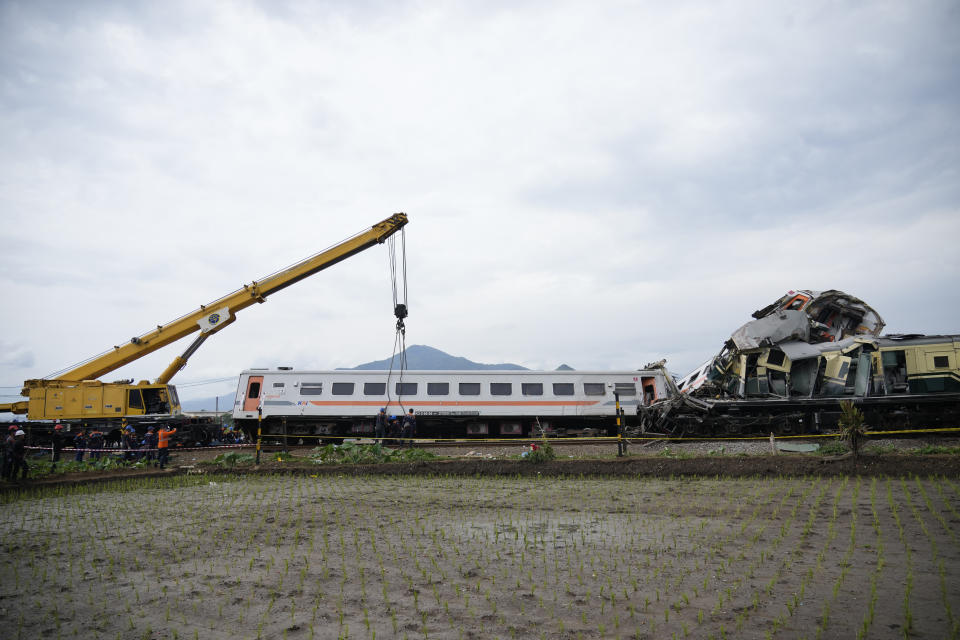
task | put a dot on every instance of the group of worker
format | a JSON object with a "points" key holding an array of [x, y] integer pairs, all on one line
{"points": [[84, 440], [396, 427], [153, 447]]}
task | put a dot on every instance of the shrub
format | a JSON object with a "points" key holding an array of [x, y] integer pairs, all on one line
{"points": [[543, 453], [852, 428], [233, 459]]}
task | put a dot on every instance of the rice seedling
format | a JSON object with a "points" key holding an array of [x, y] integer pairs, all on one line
{"points": [[372, 556]]}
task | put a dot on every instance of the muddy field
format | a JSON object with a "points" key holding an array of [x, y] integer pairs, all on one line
{"points": [[332, 555]]}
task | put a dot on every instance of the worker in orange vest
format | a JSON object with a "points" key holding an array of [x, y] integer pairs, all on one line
{"points": [[163, 444]]}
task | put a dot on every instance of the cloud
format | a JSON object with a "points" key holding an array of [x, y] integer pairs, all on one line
{"points": [[599, 185], [15, 356]]}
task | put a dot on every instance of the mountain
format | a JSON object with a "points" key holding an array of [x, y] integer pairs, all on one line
{"points": [[423, 358], [564, 367]]}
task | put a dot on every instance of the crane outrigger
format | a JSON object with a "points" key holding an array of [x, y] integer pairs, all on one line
{"points": [[77, 395]]}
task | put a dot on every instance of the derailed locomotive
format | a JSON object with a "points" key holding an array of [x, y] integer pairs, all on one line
{"points": [[788, 370], [447, 404]]}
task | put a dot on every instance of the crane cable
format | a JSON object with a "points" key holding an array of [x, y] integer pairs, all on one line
{"points": [[399, 310]]}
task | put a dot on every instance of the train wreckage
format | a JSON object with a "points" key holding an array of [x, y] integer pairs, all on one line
{"points": [[787, 371]]}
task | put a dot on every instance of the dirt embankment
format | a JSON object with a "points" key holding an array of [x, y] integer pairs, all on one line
{"points": [[893, 465], [653, 467]]}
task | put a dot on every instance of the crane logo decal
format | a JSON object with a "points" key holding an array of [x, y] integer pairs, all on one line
{"points": [[212, 322]]}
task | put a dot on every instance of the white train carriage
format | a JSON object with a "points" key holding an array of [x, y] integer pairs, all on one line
{"points": [[447, 403]]}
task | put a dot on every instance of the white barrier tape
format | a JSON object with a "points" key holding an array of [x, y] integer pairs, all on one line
{"points": [[75, 450]]}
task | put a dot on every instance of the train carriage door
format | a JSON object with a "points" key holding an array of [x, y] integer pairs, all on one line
{"points": [[251, 400], [649, 390], [835, 374]]}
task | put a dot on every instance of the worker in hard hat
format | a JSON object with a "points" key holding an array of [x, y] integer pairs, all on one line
{"points": [[19, 457]]}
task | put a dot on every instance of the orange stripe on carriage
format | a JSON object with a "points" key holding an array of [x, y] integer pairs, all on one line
{"points": [[454, 403]]}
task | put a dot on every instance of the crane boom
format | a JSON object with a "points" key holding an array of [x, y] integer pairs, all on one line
{"points": [[208, 319]]}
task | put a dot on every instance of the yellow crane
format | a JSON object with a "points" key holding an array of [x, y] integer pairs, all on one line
{"points": [[76, 394]]}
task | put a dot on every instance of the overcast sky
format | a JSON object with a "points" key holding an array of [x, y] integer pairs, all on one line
{"points": [[599, 184]]}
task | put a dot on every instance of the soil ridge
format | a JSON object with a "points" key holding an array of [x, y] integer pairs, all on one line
{"points": [[887, 465]]}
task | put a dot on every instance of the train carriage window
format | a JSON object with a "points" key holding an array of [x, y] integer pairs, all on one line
{"points": [[406, 388], [501, 388], [254, 390], [531, 388], [438, 388], [797, 303], [308, 389], [469, 388], [593, 388], [625, 388], [342, 389], [894, 364], [563, 388], [941, 362], [374, 388]]}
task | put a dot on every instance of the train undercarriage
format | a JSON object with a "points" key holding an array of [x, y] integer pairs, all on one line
{"points": [[690, 416], [442, 427]]}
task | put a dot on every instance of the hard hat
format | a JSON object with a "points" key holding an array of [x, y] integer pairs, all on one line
{"points": [[59, 426], [19, 433], [13, 427]]}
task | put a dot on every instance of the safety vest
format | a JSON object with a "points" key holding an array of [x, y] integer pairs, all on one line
{"points": [[163, 438]]}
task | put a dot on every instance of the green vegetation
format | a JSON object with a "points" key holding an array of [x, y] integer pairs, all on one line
{"points": [[367, 556], [44, 467], [352, 453], [879, 450], [852, 427], [543, 453], [835, 448], [666, 452], [233, 459], [931, 449]]}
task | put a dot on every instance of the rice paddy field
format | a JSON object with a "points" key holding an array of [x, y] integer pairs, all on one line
{"points": [[280, 556]]}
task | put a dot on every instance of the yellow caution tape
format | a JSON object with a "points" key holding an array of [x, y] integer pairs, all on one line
{"points": [[602, 439]]}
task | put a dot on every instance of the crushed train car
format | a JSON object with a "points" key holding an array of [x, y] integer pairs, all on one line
{"points": [[788, 370]]}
